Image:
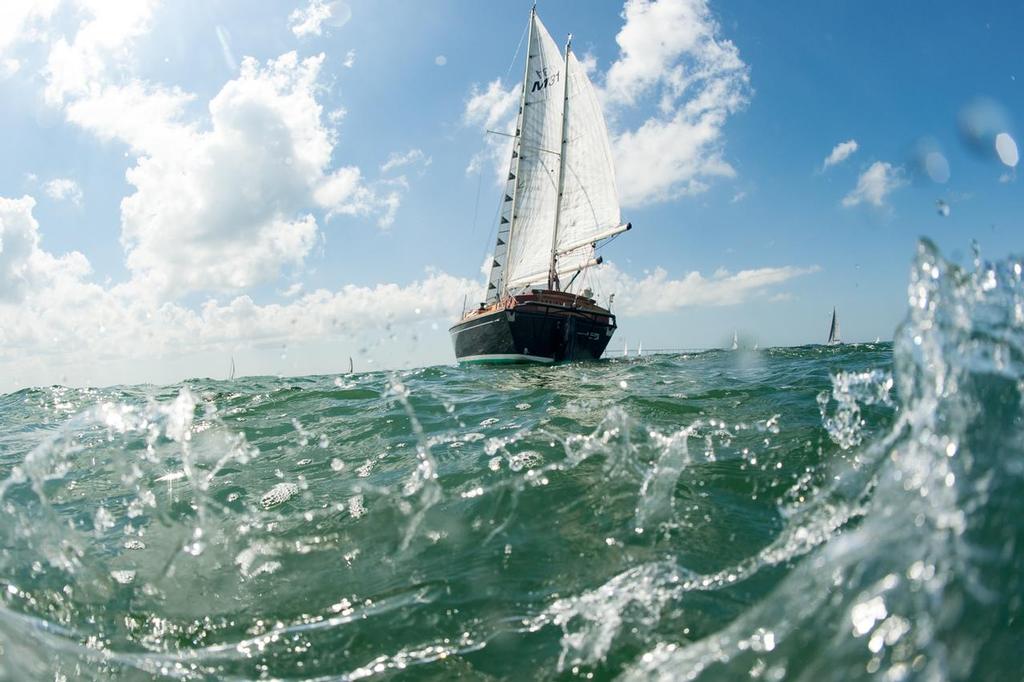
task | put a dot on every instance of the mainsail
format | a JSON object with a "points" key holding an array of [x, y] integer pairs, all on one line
{"points": [[560, 196], [833, 332]]}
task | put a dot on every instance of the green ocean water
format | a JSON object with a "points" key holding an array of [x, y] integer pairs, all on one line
{"points": [[810, 513]]}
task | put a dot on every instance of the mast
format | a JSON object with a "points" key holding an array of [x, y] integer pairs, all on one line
{"points": [[552, 271], [517, 157]]}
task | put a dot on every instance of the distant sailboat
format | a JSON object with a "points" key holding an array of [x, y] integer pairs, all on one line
{"points": [[833, 332], [625, 349], [735, 341], [640, 349], [231, 374]]}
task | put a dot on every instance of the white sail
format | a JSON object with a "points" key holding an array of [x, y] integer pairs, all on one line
{"points": [[590, 207], [538, 147], [833, 332]]}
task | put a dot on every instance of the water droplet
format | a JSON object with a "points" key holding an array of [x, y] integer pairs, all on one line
{"points": [[1006, 148], [937, 167]]}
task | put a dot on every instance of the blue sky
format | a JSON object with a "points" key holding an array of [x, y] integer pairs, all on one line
{"points": [[290, 184]]}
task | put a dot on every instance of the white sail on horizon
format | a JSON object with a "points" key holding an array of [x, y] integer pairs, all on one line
{"points": [[833, 332]]}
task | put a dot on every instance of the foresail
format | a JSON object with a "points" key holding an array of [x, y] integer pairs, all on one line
{"points": [[590, 205], [538, 145]]}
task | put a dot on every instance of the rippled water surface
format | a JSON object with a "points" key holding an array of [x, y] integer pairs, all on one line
{"points": [[812, 513]]}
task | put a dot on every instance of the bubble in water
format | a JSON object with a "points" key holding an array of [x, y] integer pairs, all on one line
{"points": [[356, 507], [1006, 149], [279, 494], [928, 161], [337, 464], [123, 577]]}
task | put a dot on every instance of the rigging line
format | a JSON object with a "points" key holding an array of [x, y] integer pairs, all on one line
{"points": [[476, 204], [492, 233], [608, 241], [516, 55]]}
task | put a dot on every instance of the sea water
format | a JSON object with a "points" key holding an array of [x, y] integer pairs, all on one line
{"points": [[810, 513]]}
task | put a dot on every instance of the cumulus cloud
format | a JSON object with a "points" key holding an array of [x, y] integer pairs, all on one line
{"points": [[659, 293], [492, 108], [840, 153], [24, 266], [875, 184], [98, 46], [23, 20], [230, 205], [49, 305], [672, 51], [310, 20], [64, 189]]}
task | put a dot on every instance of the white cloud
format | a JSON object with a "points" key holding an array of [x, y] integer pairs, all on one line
{"points": [[75, 68], [875, 184], [440, 60], [310, 20], [24, 266], [413, 156], [671, 51], [229, 205], [658, 293], [9, 66], [64, 189], [350, 59], [50, 308], [491, 107], [23, 20], [840, 153]]}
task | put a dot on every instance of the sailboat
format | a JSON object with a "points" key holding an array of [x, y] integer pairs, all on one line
{"points": [[735, 341], [833, 331], [559, 202]]}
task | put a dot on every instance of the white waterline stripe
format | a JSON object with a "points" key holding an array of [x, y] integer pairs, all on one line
{"points": [[505, 356]]}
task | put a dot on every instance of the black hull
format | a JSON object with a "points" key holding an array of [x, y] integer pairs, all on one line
{"points": [[533, 333]]}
